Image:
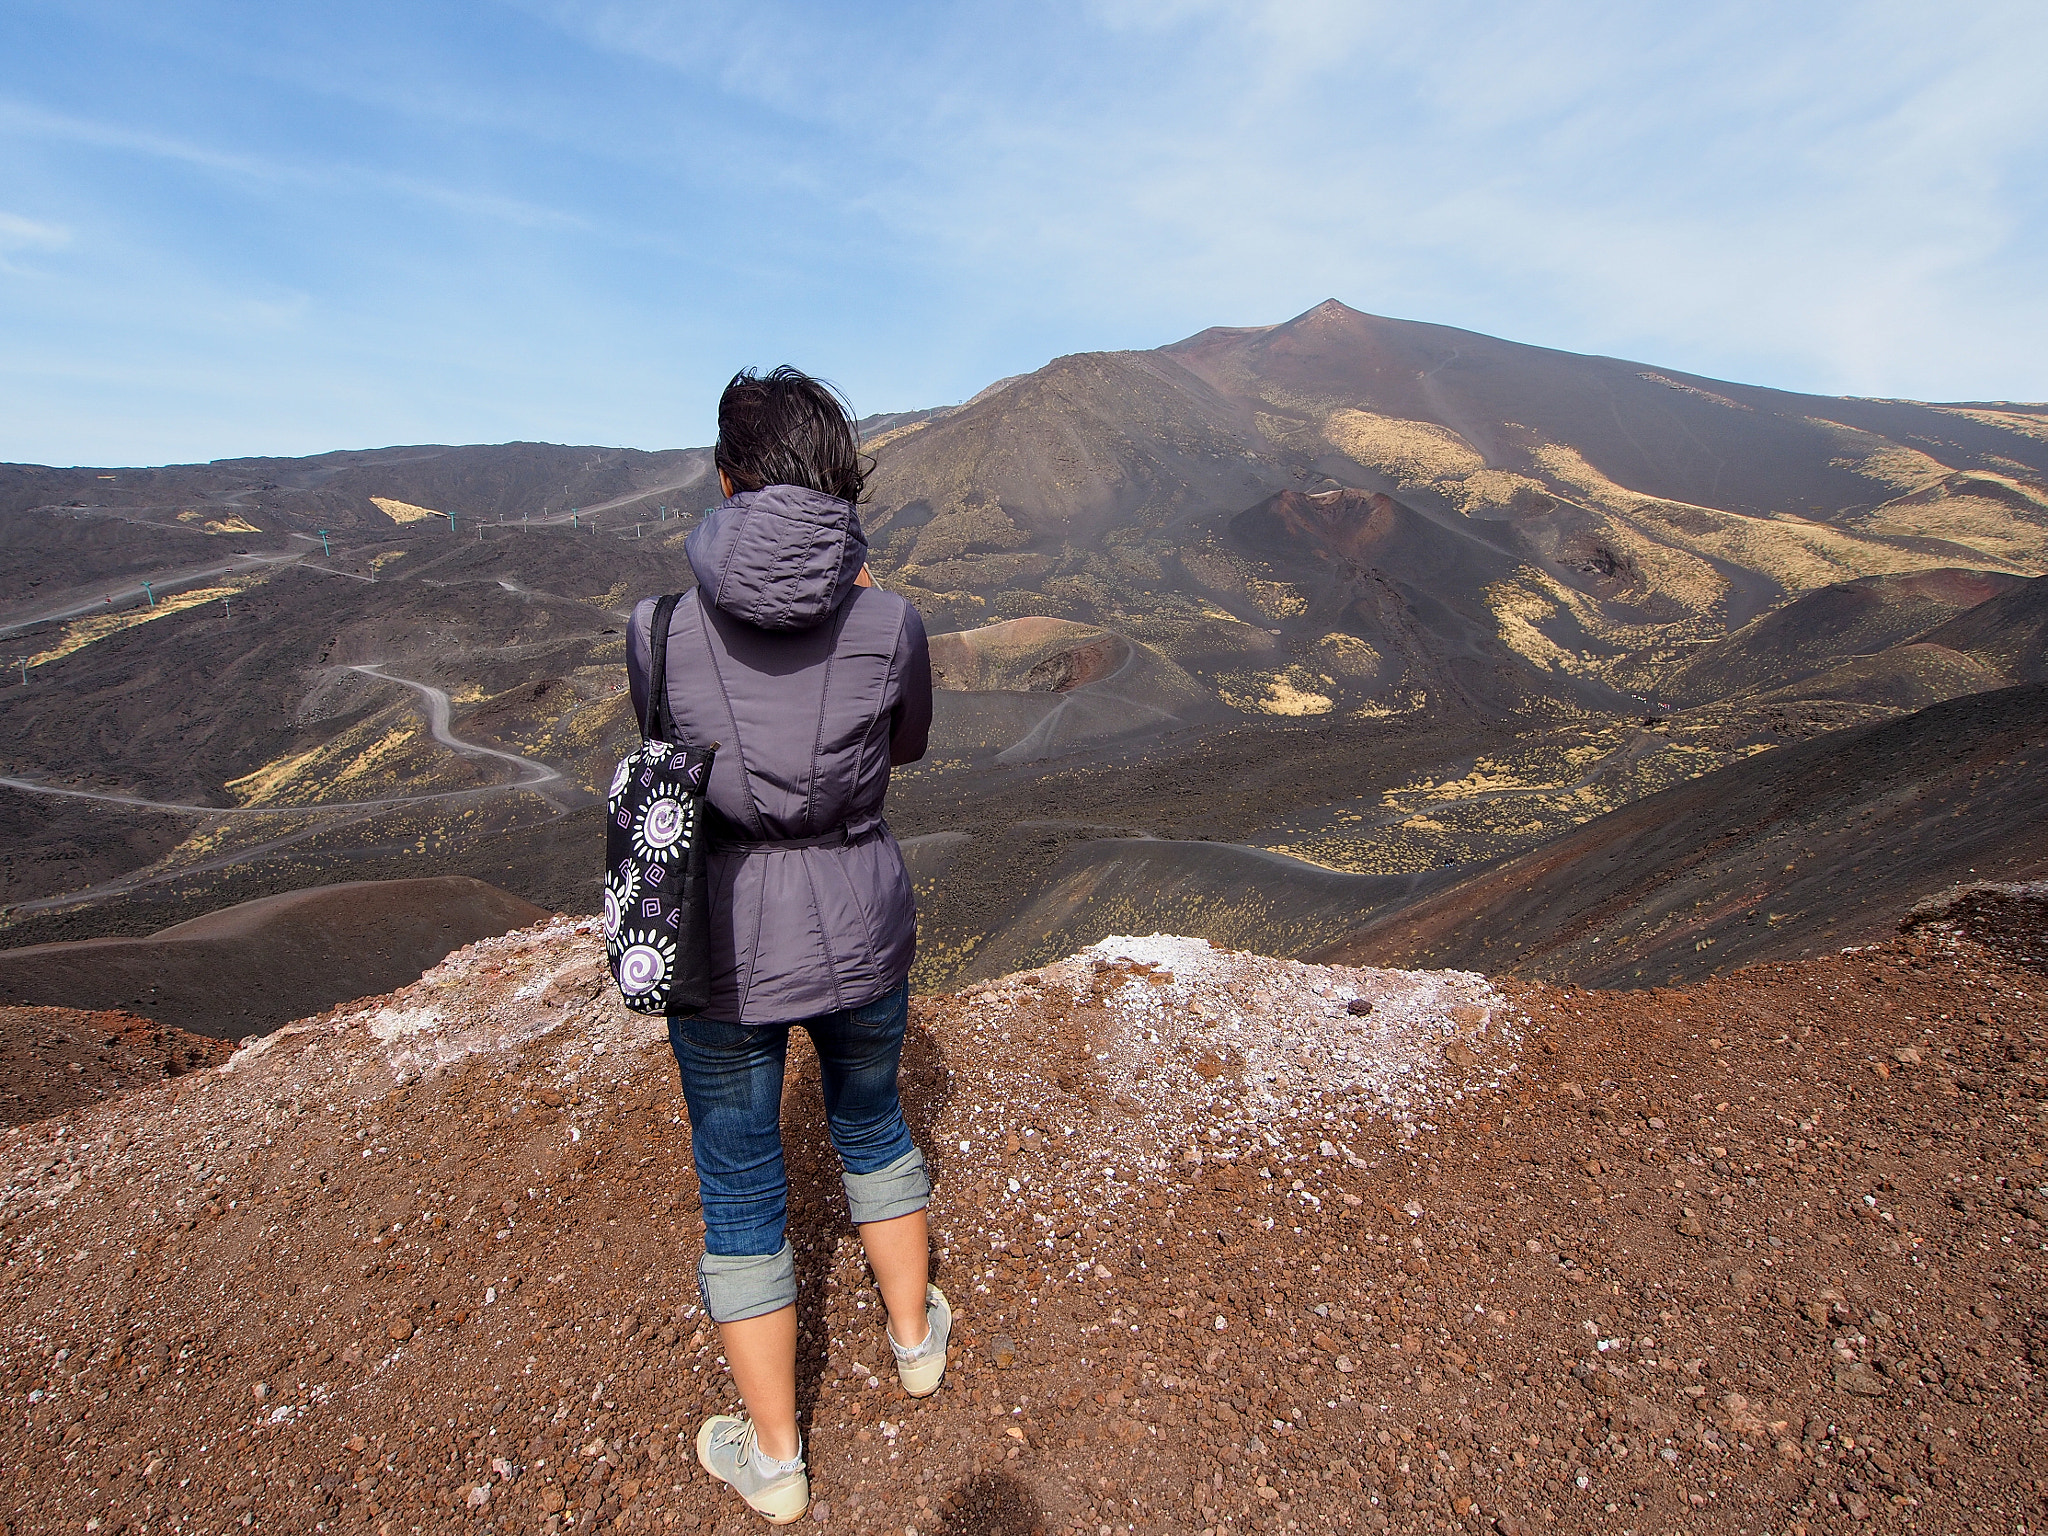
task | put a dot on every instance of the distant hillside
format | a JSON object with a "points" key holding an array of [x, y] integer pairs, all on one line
{"points": [[1793, 852], [1373, 599], [1599, 507], [246, 969], [1826, 626], [343, 490], [2009, 631]]}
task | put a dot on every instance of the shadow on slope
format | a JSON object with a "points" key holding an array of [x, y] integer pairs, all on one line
{"points": [[1906, 677], [1234, 896], [1793, 852], [1812, 633], [247, 969], [2009, 632]]}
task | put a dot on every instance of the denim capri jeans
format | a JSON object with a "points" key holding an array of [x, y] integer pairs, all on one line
{"points": [[732, 1082]]}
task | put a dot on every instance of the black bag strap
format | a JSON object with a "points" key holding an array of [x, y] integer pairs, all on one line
{"points": [[659, 724]]}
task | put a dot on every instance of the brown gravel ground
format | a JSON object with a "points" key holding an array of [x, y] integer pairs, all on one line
{"points": [[1759, 1255], [56, 1061]]}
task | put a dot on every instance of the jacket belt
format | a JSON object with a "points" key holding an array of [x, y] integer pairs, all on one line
{"points": [[839, 837]]}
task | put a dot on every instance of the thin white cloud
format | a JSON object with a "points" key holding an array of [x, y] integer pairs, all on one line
{"points": [[26, 121], [19, 235]]}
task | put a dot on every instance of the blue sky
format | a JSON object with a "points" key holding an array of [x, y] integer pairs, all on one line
{"points": [[231, 229]]}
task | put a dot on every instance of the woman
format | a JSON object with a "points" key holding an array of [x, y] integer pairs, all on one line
{"points": [[813, 682]]}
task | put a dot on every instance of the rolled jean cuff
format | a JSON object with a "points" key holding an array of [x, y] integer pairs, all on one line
{"points": [[737, 1286], [896, 1190]]}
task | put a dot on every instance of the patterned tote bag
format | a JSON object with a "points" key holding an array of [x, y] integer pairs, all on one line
{"points": [[657, 905]]}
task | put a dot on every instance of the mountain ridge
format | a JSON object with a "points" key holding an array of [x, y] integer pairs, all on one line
{"points": [[1581, 580]]}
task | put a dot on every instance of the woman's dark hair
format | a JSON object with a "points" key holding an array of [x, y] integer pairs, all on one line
{"points": [[789, 429]]}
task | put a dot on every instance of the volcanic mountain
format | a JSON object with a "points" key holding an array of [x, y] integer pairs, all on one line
{"points": [[1377, 602], [1604, 505]]}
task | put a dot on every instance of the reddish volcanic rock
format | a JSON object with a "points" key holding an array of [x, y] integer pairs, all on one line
{"points": [[1746, 1255]]}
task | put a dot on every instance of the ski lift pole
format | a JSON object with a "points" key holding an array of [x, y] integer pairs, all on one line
{"points": [[149, 593], [324, 547], [22, 662]]}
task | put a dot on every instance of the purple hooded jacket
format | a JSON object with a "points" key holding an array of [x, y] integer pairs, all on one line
{"points": [[812, 687]]}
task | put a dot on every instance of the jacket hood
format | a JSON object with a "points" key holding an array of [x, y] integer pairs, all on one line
{"points": [[783, 557]]}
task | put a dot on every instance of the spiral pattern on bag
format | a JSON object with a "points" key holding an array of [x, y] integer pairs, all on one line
{"points": [[642, 968], [663, 824], [618, 900]]}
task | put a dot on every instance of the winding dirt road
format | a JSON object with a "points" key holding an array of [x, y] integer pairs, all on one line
{"points": [[540, 779], [539, 775]]}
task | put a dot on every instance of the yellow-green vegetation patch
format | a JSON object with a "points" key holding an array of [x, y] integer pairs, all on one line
{"points": [[977, 527], [1291, 691], [588, 732], [1496, 490], [1423, 453], [1409, 451], [1277, 600], [234, 522], [1520, 607], [403, 511], [979, 571], [1893, 464], [882, 440], [264, 784], [1217, 569], [1671, 537], [2002, 516], [1349, 657], [1387, 706], [80, 633], [1694, 390]]}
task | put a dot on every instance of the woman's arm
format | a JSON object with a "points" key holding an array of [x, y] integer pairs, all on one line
{"points": [[910, 722]]}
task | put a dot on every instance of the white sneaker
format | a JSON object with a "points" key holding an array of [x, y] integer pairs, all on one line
{"points": [[921, 1369], [726, 1448]]}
